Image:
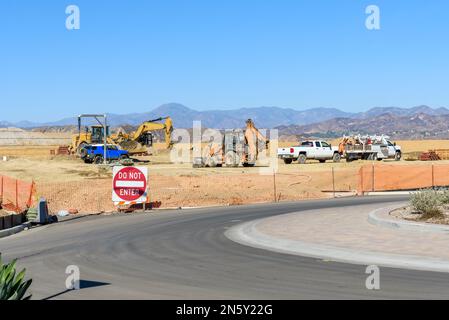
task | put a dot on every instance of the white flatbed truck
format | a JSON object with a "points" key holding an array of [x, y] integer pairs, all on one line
{"points": [[372, 148]]}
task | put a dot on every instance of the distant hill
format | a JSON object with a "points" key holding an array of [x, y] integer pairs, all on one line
{"points": [[183, 117], [6, 124], [322, 121], [416, 126], [374, 112]]}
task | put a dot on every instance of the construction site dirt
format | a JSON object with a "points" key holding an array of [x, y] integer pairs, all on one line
{"points": [[67, 183]]}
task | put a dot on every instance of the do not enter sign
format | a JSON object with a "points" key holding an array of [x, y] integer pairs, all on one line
{"points": [[129, 184]]}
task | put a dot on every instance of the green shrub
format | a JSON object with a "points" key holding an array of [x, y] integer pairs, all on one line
{"points": [[12, 286], [427, 202], [444, 196]]}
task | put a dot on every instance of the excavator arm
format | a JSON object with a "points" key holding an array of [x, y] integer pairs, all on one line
{"points": [[252, 130], [252, 136], [153, 125]]}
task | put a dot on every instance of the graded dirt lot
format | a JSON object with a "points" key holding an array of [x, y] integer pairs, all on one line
{"points": [[68, 183], [20, 137], [39, 152], [422, 145]]}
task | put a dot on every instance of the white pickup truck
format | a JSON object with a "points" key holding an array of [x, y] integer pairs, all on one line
{"points": [[317, 150]]}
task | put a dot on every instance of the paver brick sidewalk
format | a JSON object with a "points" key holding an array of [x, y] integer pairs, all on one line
{"points": [[350, 229]]}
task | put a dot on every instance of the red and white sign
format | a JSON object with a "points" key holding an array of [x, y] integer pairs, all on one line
{"points": [[129, 184]]}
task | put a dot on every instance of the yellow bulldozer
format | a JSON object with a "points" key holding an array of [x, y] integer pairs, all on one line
{"points": [[138, 142], [94, 134]]}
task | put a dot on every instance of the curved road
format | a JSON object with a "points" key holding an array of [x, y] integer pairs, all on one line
{"points": [[184, 255]]}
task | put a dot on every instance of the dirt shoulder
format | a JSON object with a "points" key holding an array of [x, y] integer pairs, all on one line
{"points": [[4, 213]]}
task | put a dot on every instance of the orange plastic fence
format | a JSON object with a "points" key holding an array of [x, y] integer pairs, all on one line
{"points": [[16, 195], [402, 177]]}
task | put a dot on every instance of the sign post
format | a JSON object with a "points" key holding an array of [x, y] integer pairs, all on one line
{"points": [[130, 185]]}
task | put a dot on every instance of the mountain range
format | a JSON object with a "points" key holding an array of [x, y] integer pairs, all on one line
{"points": [[416, 122], [183, 117], [412, 127]]}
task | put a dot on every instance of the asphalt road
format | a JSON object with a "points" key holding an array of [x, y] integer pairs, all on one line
{"points": [[184, 254]]}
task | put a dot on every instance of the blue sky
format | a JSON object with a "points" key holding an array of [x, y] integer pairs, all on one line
{"points": [[132, 56]]}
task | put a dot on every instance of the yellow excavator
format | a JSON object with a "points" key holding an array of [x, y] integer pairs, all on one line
{"points": [[138, 142], [141, 140]]}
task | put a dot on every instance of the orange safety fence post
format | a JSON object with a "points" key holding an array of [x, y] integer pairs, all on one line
{"points": [[274, 186], [17, 195], [433, 176], [32, 193], [361, 181], [147, 204], [333, 181], [1, 189]]}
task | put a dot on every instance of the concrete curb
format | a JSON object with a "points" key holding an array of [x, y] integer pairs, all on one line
{"points": [[186, 208], [247, 234], [374, 218], [388, 193], [14, 230]]}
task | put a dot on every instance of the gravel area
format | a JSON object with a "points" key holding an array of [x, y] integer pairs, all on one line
{"points": [[408, 214]]}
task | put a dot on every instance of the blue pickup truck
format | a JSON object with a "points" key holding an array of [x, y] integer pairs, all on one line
{"points": [[95, 153]]}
